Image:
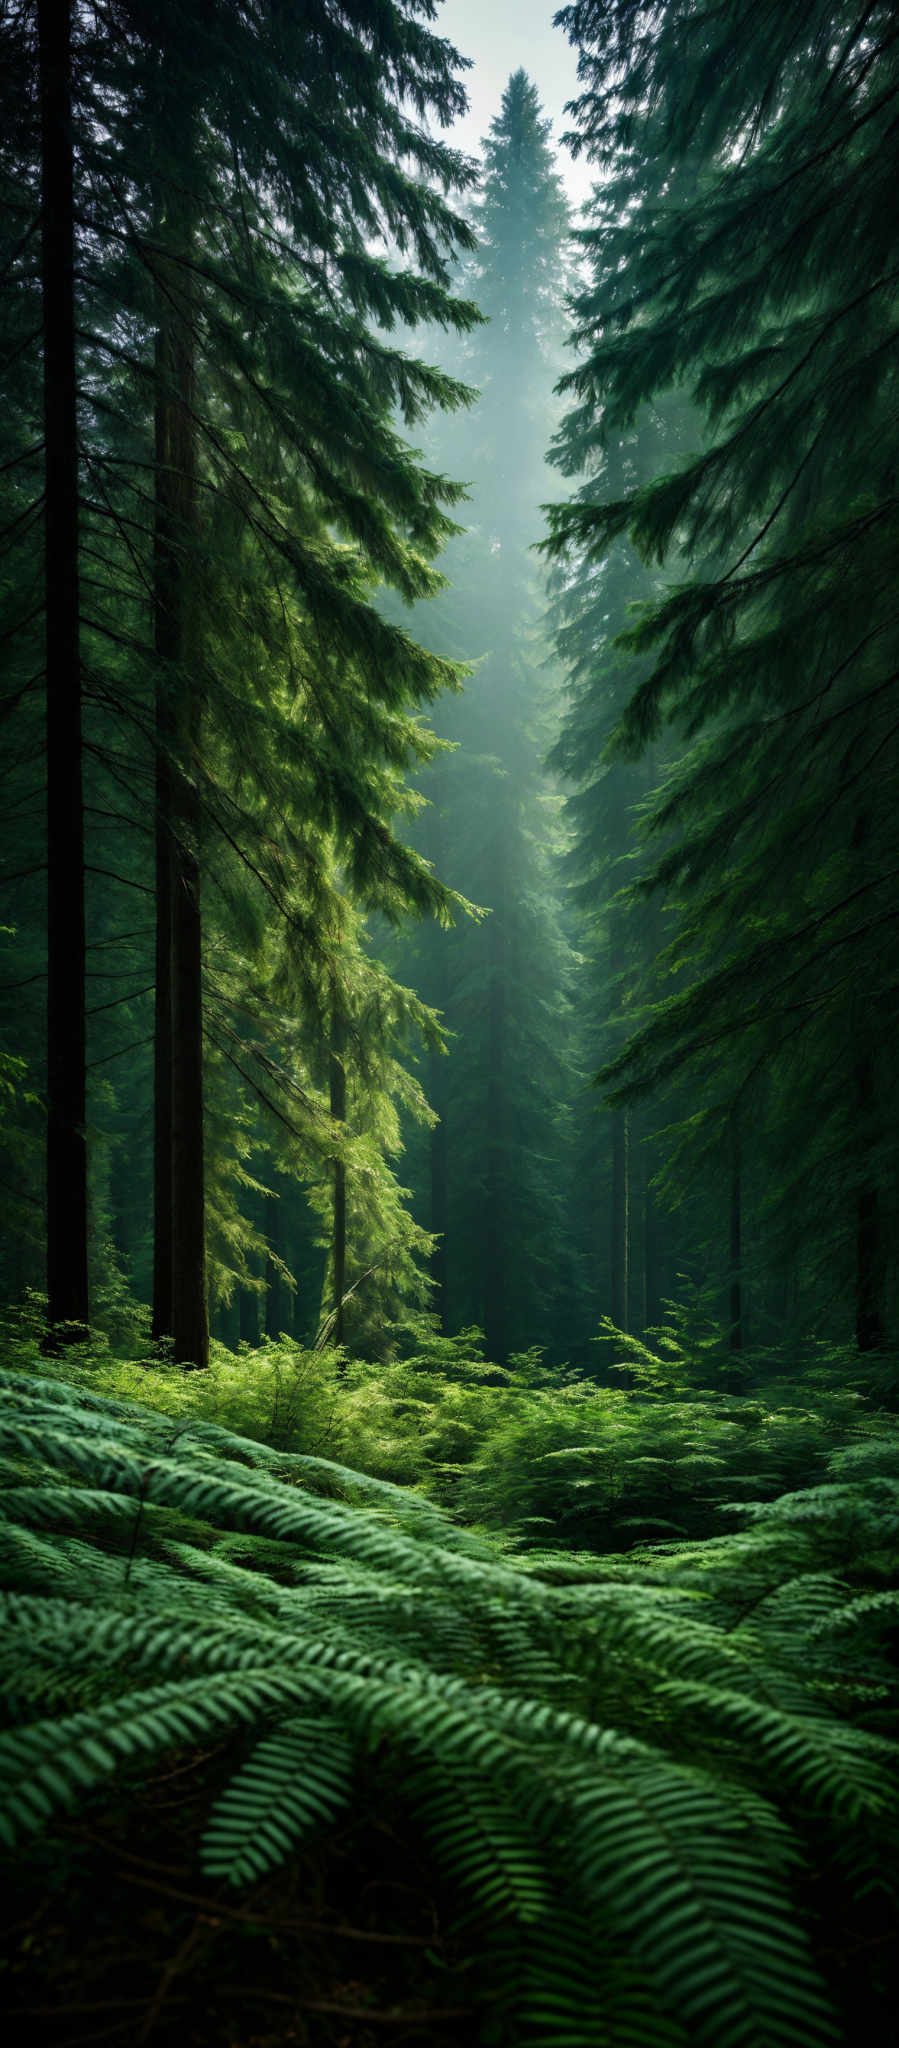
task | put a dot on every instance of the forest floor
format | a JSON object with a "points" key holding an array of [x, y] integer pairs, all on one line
{"points": [[111, 1936]]}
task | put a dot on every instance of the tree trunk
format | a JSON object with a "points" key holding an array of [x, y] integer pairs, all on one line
{"points": [[620, 1235], [273, 1286], [190, 1323], [167, 648], [649, 1222], [639, 1236], [621, 1218], [651, 1304], [870, 1263], [248, 1317], [67, 1283], [227, 1323], [495, 1220], [438, 1096], [337, 1080], [180, 1262], [736, 1235]]}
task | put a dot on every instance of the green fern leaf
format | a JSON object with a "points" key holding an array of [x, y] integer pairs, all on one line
{"points": [[297, 1778]]}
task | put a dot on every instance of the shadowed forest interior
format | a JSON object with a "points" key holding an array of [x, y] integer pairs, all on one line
{"points": [[448, 1055]]}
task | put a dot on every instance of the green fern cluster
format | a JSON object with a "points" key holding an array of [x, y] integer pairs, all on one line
{"points": [[526, 1450], [603, 1467], [627, 1765]]}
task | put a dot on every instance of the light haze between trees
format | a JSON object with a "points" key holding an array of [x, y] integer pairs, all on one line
{"points": [[448, 1030]]}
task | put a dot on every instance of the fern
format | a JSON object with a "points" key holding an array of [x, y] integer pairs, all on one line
{"points": [[483, 1835], [692, 1887], [295, 1779], [624, 1762]]}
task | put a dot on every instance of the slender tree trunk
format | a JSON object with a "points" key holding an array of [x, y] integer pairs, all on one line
{"points": [[180, 1277], [651, 1305], [67, 1284], [495, 1220], [621, 1218], [248, 1316], [337, 1079], [870, 1332], [227, 1323], [640, 1235], [438, 1096], [273, 1287], [190, 1323], [620, 1243], [736, 1234], [869, 1260], [789, 1297], [166, 642], [649, 1219]]}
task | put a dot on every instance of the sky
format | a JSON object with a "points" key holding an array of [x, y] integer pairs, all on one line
{"points": [[501, 36]]}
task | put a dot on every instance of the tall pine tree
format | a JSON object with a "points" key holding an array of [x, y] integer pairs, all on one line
{"points": [[751, 267], [494, 1183], [241, 464]]}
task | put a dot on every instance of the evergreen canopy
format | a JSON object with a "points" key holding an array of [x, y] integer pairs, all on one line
{"points": [[746, 231]]}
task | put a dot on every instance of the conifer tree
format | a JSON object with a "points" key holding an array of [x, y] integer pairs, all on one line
{"points": [[629, 1257], [748, 263], [493, 1182], [242, 170], [66, 1099]]}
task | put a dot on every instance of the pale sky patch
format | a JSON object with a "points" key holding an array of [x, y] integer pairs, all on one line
{"points": [[501, 36]]}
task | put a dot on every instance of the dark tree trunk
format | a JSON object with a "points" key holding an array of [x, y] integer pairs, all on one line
{"points": [[869, 1261], [273, 1283], [495, 1220], [67, 1285], [639, 1234], [248, 1316], [651, 1304], [167, 642], [621, 1218], [870, 1332], [337, 1081], [736, 1235], [734, 1379], [438, 1093], [190, 1322], [789, 1297], [227, 1323], [649, 1222], [180, 1259]]}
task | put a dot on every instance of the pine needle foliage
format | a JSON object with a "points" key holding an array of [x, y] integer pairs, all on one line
{"points": [[744, 272], [627, 1765]]}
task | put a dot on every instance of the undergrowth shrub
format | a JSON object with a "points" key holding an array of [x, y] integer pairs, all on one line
{"points": [[280, 1393], [524, 1451], [600, 1468], [634, 1769]]}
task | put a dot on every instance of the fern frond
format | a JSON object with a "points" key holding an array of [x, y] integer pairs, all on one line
{"points": [[483, 1839], [577, 1989], [296, 1779], [829, 1765], [709, 1921]]}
